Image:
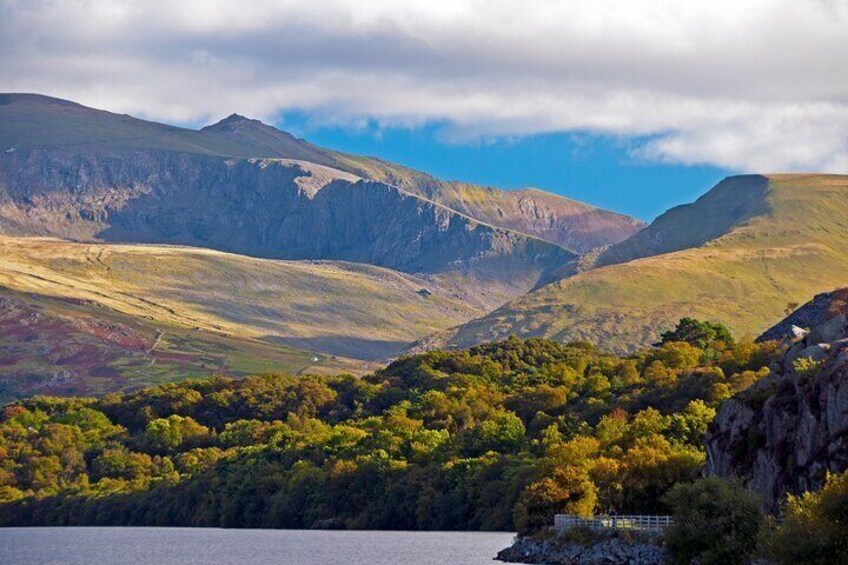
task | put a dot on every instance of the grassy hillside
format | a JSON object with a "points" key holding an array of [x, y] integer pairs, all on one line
{"points": [[728, 205], [789, 248], [205, 311], [307, 302]]}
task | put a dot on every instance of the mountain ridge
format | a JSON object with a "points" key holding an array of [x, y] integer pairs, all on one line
{"points": [[240, 137], [745, 277], [517, 261]]}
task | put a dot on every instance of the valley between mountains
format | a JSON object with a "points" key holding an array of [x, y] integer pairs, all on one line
{"points": [[133, 253]]}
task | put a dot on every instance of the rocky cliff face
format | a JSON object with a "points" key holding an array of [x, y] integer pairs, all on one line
{"points": [[785, 433], [273, 208], [571, 224]]}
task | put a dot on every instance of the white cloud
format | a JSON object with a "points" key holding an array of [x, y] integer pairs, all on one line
{"points": [[747, 84]]}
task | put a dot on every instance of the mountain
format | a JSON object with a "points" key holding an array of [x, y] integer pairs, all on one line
{"points": [[270, 208], [741, 255], [786, 432], [29, 121], [135, 252], [244, 187]]}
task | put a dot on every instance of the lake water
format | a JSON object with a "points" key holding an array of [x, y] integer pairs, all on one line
{"points": [[189, 546]]}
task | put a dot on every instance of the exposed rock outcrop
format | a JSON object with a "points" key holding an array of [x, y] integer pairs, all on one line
{"points": [[785, 433], [610, 551], [821, 309], [272, 208]]}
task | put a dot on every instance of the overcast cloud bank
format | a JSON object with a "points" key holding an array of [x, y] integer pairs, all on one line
{"points": [[750, 85]]}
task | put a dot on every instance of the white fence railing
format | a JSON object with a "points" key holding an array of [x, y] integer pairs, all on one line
{"points": [[633, 523]]}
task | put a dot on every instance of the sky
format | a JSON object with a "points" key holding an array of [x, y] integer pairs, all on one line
{"points": [[588, 168], [632, 105]]}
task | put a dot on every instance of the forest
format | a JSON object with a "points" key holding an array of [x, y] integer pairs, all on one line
{"points": [[497, 437]]}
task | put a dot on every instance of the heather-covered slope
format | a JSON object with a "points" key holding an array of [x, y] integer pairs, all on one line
{"points": [[71, 346], [31, 121], [87, 318], [763, 253]]}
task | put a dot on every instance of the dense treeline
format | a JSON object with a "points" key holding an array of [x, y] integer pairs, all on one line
{"points": [[499, 436]]}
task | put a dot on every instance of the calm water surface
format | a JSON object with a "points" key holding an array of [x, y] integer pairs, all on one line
{"points": [[183, 546]]}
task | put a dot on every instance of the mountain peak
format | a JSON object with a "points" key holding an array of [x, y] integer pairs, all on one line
{"points": [[235, 122]]}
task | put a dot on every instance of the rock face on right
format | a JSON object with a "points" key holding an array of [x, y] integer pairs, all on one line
{"points": [[785, 433]]}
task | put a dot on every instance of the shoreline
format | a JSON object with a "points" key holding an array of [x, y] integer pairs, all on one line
{"points": [[605, 549]]}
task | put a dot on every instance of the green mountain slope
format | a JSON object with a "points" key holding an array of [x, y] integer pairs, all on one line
{"points": [[729, 204], [761, 244]]}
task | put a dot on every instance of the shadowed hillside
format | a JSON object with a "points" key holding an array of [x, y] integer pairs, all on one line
{"points": [[278, 209], [727, 206]]}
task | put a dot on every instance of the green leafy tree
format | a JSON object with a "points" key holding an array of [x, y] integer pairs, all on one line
{"points": [[707, 336], [814, 528], [168, 434], [567, 490], [715, 522], [469, 439]]}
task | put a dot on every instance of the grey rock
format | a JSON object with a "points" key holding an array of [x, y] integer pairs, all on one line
{"points": [[786, 432], [813, 314], [797, 332], [830, 330], [610, 551], [816, 352]]}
